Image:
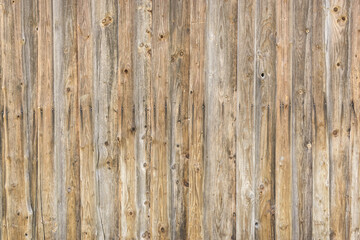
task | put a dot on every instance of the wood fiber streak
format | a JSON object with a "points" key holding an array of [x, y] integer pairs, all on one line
{"points": [[179, 119]]}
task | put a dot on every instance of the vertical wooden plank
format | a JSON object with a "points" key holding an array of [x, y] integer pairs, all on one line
{"points": [[127, 127], [160, 122], [220, 120], [85, 39], [338, 92], [47, 195], [265, 89], [354, 67], [320, 145], [197, 118], [106, 114], [142, 73], [16, 210], [283, 159], [179, 94], [29, 17], [245, 131], [301, 121], [66, 119]]}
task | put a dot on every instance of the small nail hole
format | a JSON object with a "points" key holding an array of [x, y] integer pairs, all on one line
{"points": [[262, 75], [335, 9]]}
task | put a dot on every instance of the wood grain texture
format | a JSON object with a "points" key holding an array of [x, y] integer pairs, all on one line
{"points": [[283, 157], [320, 143], [220, 120], [338, 116], [179, 119]]}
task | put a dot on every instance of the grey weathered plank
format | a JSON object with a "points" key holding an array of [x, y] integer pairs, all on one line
{"points": [[320, 144], [265, 89], [106, 114], [179, 37], [302, 121], [220, 120], [245, 121], [141, 62]]}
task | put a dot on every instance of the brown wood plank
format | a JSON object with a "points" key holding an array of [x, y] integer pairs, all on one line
{"points": [[265, 89], [283, 159], [29, 15], [16, 209], [160, 111], [302, 121], [338, 118], [354, 67], [46, 211], [179, 37], [85, 38], [320, 145], [196, 111]]}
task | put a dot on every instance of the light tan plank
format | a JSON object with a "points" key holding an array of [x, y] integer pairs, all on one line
{"points": [[160, 122], [16, 209], [30, 50], [265, 81], [320, 145], [196, 112], [354, 67], [47, 220], [283, 159], [338, 102], [220, 120], [302, 121], [85, 116], [141, 61], [127, 124], [245, 129], [106, 113]]}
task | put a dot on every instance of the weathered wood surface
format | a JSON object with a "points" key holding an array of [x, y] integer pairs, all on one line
{"points": [[180, 119]]}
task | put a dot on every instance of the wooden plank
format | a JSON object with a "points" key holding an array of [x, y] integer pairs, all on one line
{"points": [[283, 159], [16, 208], [220, 120], [141, 61], [179, 94], [160, 122], [245, 129], [85, 39], [29, 15], [338, 90], [66, 119], [127, 123], [320, 145], [302, 121], [47, 195], [354, 68], [196, 112], [265, 89], [106, 114]]}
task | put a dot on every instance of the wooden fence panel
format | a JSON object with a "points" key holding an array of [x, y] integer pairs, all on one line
{"points": [[179, 119]]}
